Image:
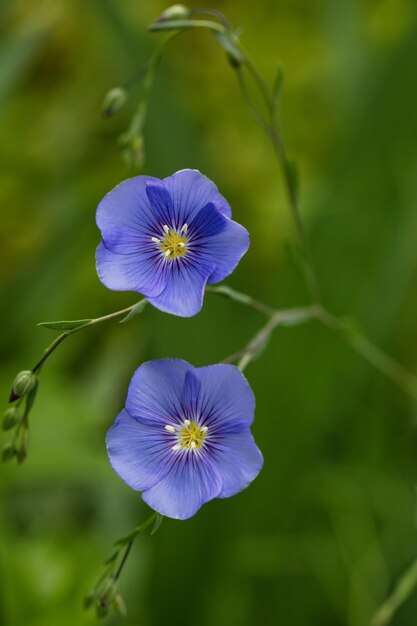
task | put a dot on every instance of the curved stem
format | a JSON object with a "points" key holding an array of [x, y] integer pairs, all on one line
{"points": [[138, 530], [389, 367], [54, 345]]}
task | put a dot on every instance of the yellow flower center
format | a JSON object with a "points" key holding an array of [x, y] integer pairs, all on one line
{"points": [[192, 436], [174, 244], [189, 435]]}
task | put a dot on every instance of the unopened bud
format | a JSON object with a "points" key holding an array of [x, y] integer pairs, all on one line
{"points": [[10, 418], [175, 12], [23, 384], [90, 599], [120, 605], [107, 591], [113, 101], [21, 454], [8, 451]]}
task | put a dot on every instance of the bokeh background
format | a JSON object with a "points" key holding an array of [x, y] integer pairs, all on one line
{"points": [[320, 537]]}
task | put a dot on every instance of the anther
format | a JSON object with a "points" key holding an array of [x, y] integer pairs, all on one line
{"points": [[193, 445], [166, 229], [167, 253], [184, 228], [203, 429], [170, 428], [187, 422], [155, 240], [176, 447]]}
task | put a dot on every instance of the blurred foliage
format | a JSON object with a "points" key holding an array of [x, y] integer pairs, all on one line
{"points": [[331, 522]]}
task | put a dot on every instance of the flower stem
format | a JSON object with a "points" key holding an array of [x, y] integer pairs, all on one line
{"points": [[389, 367], [54, 345], [405, 586]]}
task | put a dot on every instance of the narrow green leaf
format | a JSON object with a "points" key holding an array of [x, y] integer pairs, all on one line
{"points": [[65, 325], [292, 178], [225, 39], [136, 310], [112, 558], [277, 88], [228, 292], [157, 524]]}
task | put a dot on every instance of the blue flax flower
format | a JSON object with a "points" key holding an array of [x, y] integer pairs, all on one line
{"points": [[184, 435], [167, 238]]}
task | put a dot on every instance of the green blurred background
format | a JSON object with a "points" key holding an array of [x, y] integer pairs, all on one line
{"points": [[320, 536]]}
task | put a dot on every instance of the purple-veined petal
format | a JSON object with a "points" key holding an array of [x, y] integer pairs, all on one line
{"points": [[238, 460], [124, 216], [193, 479], [183, 294], [191, 191], [140, 453], [219, 239], [145, 272], [226, 399], [226, 250], [162, 207], [191, 396], [155, 391]]}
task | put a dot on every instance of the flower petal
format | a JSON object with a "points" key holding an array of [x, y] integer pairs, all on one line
{"points": [[219, 239], [226, 250], [191, 191], [238, 460], [192, 480], [155, 391], [140, 453], [142, 272], [161, 204], [183, 294], [124, 216], [227, 399]]}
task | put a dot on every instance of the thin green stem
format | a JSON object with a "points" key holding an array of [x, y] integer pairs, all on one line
{"points": [[279, 318], [57, 342], [405, 586], [138, 530], [388, 366]]}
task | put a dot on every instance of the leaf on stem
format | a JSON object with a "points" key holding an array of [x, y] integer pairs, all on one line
{"points": [[158, 522], [293, 180], [277, 88], [226, 41], [136, 310], [65, 325]]}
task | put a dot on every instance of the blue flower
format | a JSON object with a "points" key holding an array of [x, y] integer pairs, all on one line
{"points": [[184, 436], [167, 238]]}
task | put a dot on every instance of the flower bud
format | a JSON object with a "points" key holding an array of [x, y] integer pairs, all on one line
{"points": [[23, 384], [21, 454], [11, 418], [113, 101], [120, 605], [175, 12], [90, 599], [108, 590], [8, 451]]}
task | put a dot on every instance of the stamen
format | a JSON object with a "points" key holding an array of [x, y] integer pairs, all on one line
{"points": [[177, 447], [203, 429], [155, 240], [167, 253], [181, 245], [193, 445], [166, 229], [170, 428], [187, 422], [184, 229]]}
